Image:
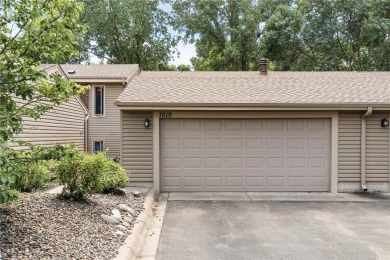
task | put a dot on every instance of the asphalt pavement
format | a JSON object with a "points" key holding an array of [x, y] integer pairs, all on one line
{"points": [[275, 230]]}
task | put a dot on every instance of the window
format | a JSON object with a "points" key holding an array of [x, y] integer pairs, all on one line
{"points": [[98, 100], [98, 146]]}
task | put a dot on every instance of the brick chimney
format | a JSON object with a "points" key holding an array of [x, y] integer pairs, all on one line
{"points": [[263, 66]]}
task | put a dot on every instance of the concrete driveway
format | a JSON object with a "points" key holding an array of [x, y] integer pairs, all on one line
{"points": [[275, 230]]}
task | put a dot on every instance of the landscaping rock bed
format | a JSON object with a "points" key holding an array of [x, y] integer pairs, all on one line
{"points": [[42, 226]]}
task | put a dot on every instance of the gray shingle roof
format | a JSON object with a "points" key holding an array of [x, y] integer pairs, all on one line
{"points": [[251, 88], [99, 71]]}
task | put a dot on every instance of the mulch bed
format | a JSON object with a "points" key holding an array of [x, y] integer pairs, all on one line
{"points": [[42, 226]]}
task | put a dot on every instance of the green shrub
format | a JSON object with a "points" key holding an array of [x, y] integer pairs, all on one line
{"points": [[7, 195], [30, 169], [86, 174], [81, 175], [114, 176], [7, 177], [51, 166], [31, 175]]}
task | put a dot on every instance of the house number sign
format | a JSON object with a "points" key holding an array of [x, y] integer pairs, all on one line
{"points": [[165, 114]]}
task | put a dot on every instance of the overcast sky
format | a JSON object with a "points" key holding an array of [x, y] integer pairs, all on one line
{"points": [[187, 51]]}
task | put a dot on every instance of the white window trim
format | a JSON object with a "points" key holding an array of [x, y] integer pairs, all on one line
{"points": [[104, 101], [93, 145]]}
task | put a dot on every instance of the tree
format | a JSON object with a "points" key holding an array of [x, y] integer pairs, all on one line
{"points": [[183, 67], [329, 35], [32, 32], [225, 32], [129, 31]]}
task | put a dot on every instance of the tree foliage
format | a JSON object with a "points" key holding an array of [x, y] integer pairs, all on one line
{"points": [[32, 32], [293, 34], [225, 32], [329, 35], [129, 31]]}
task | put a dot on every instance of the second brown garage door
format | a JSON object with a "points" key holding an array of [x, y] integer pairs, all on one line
{"points": [[245, 155]]}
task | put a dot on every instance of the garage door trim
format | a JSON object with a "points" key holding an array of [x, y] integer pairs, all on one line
{"points": [[256, 115]]}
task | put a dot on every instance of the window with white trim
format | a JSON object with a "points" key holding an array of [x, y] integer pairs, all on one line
{"points": [[98, 100], [98, 146]]}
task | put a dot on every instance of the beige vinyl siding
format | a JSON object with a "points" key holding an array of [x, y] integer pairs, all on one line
{"points": [[377, 149], [349, 146], [63, 124], [105, 128], [137, 146]]}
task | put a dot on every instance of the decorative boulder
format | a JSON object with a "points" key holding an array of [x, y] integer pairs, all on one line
{"points": [[124, 207], [109, 219], [116, 214]]}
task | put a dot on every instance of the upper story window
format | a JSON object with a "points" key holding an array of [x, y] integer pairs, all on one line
{"points": [[98, 100]]}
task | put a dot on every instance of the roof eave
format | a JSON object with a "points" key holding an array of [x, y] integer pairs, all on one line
{"points": [[98, 80], [243, 106]]}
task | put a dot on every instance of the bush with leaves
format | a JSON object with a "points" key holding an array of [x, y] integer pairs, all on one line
{"points": [[7, 178], [86, 174], [29, 169], [114, 176], [31, 175]]}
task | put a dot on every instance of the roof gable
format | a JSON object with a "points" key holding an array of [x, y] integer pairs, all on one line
{"points": [[100, 72]]}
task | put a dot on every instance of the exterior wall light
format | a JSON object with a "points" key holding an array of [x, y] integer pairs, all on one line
{"points": [[384, 122], [146, 122]]}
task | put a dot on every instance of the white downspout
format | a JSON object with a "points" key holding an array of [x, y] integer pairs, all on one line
{"points": [[363, 150]]}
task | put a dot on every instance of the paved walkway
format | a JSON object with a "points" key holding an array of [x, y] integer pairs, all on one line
{"points": [[276, 196]]}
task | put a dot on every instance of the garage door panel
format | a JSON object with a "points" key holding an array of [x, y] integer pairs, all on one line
{"points": [[255, 162], [171, 143], [317, 126], [171, 162], [213, 143], [296, 125], [275, 125], [296, 162], [233, 126], [318, 162], [213, 162], [296, 143], [297, 181], [213, 126], [192, 143], [255, 181], [245, 155], [254, 126], [275, 143], [254, 143]]}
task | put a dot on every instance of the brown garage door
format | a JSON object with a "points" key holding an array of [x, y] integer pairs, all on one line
{"points": [[245, 155]]}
